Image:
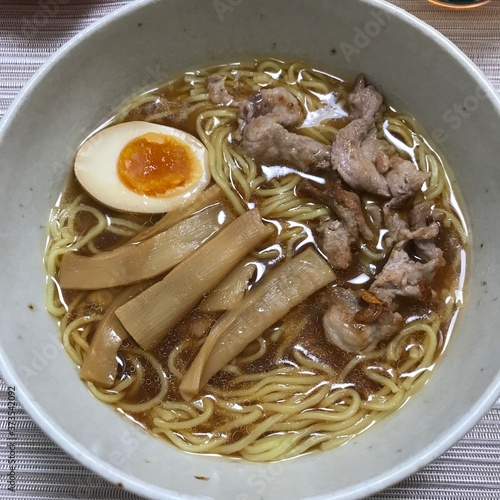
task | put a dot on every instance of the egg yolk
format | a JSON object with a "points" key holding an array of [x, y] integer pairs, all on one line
{"points": [[154, 164]]}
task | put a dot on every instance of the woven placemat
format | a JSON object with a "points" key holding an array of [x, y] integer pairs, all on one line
{"points": [[30, 31]]}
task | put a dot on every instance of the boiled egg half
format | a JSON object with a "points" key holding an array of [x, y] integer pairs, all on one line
{"points": [[142, 167]]}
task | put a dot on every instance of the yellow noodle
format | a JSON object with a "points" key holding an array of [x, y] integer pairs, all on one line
{"points": [[205, 415], [171, 363], [104, 396], [386, 403], [397, 127], [305, 444], [316, 86], [171, 408], [197, 98], [312, 365], [274, 383], [142, 407], [208, 446], [357, 360], [271, 66], [256, 355], [232, 369], [297, 403], [255, 433], [371, 255], [452, 220]]}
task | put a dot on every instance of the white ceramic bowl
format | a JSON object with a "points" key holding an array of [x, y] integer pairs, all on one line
{"points": [[417, 69]]}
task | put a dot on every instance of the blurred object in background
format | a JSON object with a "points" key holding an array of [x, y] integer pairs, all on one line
{"points": [[460, 4]]}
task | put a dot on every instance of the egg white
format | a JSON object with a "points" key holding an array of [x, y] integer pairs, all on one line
{"points": [[96, 169]]}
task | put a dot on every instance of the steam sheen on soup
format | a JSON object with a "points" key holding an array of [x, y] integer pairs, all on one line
{"points": [[299, 295]]}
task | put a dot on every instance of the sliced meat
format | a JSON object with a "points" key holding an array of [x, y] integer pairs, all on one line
{"points": [[342, 329], [346, 204], [367, 163], [271, 144], [424, 227], [336, 243], [403, 276], [377, 151], [340, 237], [351, 162], [278, 102], [397, 227], [354, 162], [429, 252], [365, 100], [404, 180], [262, 121], [217, 90], [425, 219]]}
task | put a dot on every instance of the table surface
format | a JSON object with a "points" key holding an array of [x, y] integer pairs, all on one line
{"points": [[30, 31]]}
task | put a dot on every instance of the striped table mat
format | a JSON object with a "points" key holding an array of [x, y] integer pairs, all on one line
{"points": [[30, 31]]}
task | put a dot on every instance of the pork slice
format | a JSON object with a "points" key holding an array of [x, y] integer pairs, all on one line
{"points": [[340, 238], [404, 179], [284, 108], [404, 277], [270, 143], [423, 223], [263, 119], [425, 219], [353, 164], [354, 328], [367, 163], [355, 149], [397, 227], [428, 251], [282, 105], [365, 101], [336, 243], [342, 329], [346, 205], [217, 89], [378, 151]]}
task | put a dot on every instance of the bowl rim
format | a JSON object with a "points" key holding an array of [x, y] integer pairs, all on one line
{"points": [[140, 487]]}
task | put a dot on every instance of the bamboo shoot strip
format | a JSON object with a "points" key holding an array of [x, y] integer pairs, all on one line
{"points": [[151, 315], [285, 287], [139, 261], [204, 199], [231, 290], [100, 365]]}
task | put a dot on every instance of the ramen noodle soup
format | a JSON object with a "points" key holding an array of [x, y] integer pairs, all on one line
{"points": [[257, 260]]}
